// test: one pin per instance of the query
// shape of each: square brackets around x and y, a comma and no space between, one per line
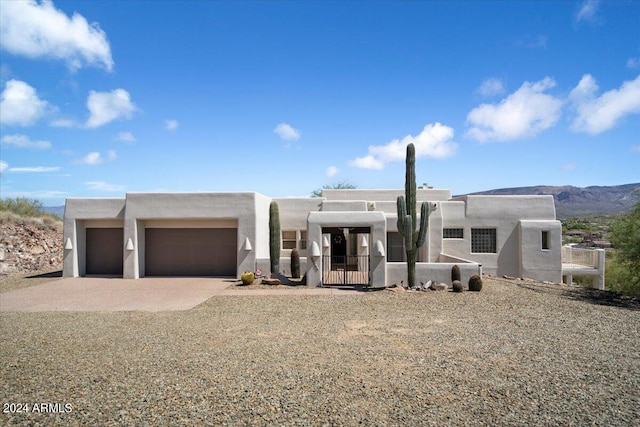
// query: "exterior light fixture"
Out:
[363,242]
[315,250]
[325,242]
[67,244]
[129,246]
[379,249]
[247,245]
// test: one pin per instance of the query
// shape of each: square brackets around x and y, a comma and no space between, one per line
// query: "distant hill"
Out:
[55,210]
[578,201]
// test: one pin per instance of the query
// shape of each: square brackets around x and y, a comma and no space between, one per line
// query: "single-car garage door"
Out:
[104,250]
[190,251]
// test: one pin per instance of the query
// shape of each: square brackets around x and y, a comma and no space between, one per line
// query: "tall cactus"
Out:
[407,216]
[274,237]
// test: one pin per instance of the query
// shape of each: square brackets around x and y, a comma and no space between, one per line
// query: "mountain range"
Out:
[574,202]
[570,201]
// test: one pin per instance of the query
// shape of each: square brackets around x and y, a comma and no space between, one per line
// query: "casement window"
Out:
[395,247]
[546,240]
[289,240]
[453,233]
[483,240]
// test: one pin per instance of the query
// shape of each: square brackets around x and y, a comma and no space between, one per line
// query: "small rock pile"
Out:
[30,244]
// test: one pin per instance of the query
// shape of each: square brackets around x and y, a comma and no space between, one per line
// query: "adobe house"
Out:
[345,237]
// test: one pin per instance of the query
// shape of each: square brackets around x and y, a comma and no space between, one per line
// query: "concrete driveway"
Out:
[147,294]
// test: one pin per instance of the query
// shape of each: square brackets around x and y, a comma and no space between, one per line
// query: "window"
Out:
[289,239]
[483,240]
[453,233]
[395,247]
[303,239]
[546,241]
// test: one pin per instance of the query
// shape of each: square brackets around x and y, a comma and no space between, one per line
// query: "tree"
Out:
[342,185]
[625,236]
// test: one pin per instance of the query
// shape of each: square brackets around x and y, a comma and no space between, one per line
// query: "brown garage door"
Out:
[190,252]
[104,250]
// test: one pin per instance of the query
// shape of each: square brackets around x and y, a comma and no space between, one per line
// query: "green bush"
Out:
[622,272]
[25,207]
[619,278]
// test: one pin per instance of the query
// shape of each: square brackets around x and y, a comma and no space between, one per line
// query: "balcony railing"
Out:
[581,257]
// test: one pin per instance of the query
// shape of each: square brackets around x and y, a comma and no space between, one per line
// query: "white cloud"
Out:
[23,141]
[332,171]
[105,107]
[126,137]
[588,10]
[434,141]
[491,87]
[633,63]
[103,186]
[20,104]
[287,132]
[525,113]
[41,194]
[63,123]
[94,158]
[112,155]
[569,167]
[171,124]
[3,166]
[35,169]
[594,114]
[39,30]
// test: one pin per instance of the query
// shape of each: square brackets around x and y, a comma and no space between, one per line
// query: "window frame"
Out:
[452,230]
[489,242]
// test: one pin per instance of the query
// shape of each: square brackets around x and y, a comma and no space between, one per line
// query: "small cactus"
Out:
[295,263]
[475,283]
[457,286]
[455,273]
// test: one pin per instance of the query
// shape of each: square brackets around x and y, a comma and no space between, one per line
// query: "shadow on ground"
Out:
[49,275]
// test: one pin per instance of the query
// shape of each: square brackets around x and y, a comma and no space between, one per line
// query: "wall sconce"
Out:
[363,242]
[379,249]
[129,246]
[315,250]
[247,245]
[67,244]
[325,242]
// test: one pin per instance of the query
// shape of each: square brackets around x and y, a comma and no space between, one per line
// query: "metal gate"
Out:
[345,270]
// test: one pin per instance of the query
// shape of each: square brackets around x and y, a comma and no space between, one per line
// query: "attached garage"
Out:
[190,251]
[104,251]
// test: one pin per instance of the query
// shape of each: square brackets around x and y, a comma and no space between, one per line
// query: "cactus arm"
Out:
[402,212]
[425,210]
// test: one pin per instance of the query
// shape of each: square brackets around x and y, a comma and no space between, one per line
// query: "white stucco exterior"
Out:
[514,235]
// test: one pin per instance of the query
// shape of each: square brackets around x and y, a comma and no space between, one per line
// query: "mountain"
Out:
[55,210]
[580,201]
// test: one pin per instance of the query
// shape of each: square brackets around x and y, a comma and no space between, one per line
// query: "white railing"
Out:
[583,257]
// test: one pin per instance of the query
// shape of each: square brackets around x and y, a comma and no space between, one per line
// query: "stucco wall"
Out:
[389,195]
[536,262]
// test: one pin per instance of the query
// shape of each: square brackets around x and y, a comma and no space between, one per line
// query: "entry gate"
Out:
[345,270]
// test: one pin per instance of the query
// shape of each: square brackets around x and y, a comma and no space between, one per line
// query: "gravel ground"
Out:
[517,353]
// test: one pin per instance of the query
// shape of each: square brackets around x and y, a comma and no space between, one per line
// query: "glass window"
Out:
[483,240]
[303,239]
[453,233]
[288,239]
[395,247]
[546,240]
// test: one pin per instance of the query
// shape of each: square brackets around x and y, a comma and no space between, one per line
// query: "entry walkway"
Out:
[147,294]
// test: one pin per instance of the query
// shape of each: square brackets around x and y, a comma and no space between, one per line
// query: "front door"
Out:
[348,263]
[338,250]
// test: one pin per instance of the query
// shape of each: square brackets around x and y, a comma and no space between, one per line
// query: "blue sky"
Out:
[100,98]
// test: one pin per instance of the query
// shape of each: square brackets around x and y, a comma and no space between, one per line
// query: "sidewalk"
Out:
[146,294]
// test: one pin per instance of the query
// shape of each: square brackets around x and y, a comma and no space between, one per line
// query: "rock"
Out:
[436,286]
[271,282]
[396,288]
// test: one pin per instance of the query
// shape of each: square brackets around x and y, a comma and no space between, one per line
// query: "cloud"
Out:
[103,186]
[105,107]
[491,87]
[91,159]
[112,155]
[286,132]
[434,141]
[35,169]
[633,63]
[594,114]
[20,104]
[3,166]
[41,194]
[63,123]
[332,171]
[569,167]
[126,137]
[39,30]
[588,10]
[523,114]
[171,124]
[23,141]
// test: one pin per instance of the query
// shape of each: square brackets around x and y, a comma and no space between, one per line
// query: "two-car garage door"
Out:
[190,251]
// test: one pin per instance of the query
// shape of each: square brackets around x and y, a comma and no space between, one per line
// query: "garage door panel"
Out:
[190,251]
[104,250]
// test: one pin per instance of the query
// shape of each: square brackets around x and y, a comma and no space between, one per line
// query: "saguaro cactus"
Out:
[407,216]
[274,237]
